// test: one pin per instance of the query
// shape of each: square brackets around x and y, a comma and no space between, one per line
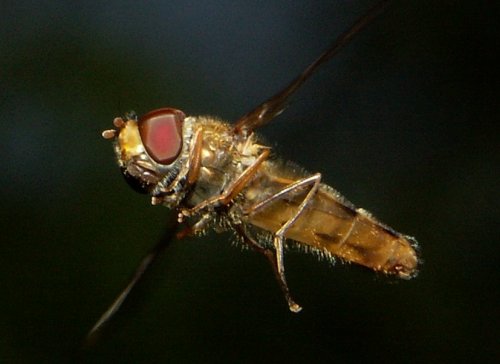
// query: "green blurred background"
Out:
[402,122]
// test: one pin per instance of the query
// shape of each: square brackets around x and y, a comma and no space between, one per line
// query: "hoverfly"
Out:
[217,174]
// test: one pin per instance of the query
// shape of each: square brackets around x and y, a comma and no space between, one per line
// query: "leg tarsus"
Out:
[273,261]
[279,271]
[191,230]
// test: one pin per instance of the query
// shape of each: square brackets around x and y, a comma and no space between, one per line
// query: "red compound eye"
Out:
[161,134]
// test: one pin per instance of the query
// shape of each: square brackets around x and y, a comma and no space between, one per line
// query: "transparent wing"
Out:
[147,261]
[272,107]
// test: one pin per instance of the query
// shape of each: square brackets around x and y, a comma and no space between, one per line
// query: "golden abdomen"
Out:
[333,225]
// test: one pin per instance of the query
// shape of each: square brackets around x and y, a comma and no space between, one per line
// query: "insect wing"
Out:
[275,105]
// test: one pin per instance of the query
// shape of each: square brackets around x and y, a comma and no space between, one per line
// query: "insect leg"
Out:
[271,257]
[196,228]
[314,179]
[231,191]
[193,168]
[279,236]
[195,157]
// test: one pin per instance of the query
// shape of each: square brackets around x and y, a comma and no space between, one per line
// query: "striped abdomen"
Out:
[333,225]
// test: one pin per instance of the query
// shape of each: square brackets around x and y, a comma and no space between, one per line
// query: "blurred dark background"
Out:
[401,122]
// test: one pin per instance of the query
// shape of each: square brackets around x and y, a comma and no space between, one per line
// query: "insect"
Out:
[217,174]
